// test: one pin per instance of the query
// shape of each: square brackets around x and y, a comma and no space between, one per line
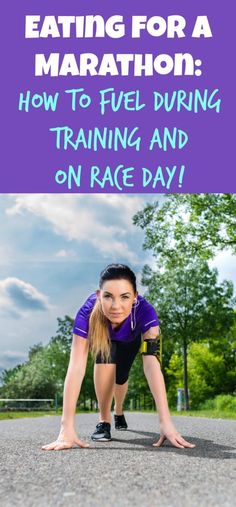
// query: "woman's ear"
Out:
[136,297]
[98,293]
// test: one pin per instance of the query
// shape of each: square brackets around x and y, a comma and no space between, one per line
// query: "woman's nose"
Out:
[115,303]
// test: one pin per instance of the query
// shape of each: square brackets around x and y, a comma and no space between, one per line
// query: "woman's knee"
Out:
[104,373]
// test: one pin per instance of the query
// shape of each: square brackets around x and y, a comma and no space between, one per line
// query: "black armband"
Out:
[152,347]
[149,347]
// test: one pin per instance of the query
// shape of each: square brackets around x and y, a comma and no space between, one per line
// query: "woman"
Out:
[112,322]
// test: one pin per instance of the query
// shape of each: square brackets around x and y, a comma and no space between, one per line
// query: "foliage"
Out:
[190,302]
[183,233]
[207,371]
[43,375]
[139,396]
[224,402]
[175,375]
[33,380]
[191,224]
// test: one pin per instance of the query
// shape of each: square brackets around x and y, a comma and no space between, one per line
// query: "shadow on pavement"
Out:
[204,448]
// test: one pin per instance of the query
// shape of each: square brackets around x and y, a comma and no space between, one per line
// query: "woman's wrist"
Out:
[164,416]
[165,419]
[67,423]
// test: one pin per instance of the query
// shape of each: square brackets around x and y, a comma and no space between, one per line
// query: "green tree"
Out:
[226,347]
[183,232]
[191,304]
[34,379]
[44,372]
[6,376]
[175,373]
[65,328]
[204,223]
[139,395]
[207,371]
[35,349]
[43,375]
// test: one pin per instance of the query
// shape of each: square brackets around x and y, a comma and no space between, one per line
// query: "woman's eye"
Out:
[125,297]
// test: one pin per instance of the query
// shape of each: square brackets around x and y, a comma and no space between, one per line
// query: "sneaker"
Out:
[102,432]
[120,422]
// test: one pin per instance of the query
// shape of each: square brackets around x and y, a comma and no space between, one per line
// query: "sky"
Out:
[52,249]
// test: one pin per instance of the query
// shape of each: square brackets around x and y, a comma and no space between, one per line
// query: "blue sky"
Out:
[52,250]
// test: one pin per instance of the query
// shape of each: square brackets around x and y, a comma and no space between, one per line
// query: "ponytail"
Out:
[98,333]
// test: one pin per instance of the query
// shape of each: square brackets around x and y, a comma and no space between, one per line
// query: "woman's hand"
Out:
[169,432]
[66,439]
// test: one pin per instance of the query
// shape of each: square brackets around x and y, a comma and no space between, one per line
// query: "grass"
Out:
[213,414]
[19,415]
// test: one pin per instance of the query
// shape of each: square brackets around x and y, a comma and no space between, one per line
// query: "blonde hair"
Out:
[98,333]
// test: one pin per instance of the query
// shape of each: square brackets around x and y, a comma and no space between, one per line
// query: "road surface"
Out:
[126,472]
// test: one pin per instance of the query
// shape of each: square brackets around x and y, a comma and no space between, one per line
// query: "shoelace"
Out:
[102,425]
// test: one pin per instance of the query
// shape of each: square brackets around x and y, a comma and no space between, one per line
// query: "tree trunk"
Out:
[186,398]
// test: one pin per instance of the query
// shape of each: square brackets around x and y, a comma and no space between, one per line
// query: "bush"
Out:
[208,405]
[225,402]
[206,375]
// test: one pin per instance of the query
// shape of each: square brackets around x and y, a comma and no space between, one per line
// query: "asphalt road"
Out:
[125,472]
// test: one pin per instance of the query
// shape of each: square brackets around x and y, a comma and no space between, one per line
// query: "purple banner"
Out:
[138,99]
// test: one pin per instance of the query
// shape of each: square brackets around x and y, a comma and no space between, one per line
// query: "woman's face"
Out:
[117,298]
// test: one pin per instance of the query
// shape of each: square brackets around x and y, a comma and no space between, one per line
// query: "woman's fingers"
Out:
[172,440]
[49,447]
[57,445]
[64,444]
[80,443]
[160,441]
[175,443]
[175,440]
[185,443]
[178,439]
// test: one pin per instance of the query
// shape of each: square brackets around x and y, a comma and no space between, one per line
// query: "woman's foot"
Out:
[102,432]
[120,422]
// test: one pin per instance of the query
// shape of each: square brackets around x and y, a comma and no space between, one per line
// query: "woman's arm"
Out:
[153,374]
[74,378]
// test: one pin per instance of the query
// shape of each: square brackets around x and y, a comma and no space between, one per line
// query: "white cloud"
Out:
[62,253]
[17,295]
[85,218]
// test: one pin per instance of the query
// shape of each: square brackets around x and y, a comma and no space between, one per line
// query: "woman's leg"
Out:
[125,356]
[104,381]
[119,395]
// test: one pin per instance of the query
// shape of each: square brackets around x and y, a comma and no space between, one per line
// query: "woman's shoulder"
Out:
[142,302]
[87,306]
[81,321]
[146,314]
[91,299]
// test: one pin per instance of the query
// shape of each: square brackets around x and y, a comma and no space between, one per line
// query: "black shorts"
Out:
[123,355]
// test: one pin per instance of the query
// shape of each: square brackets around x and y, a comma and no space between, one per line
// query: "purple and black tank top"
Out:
[144,317]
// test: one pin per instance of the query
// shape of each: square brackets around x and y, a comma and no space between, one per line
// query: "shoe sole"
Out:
[121,429]
[101,439]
